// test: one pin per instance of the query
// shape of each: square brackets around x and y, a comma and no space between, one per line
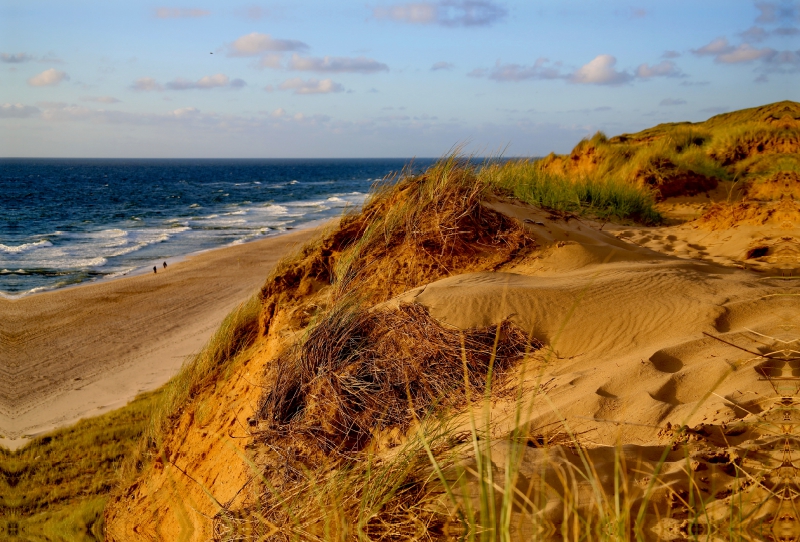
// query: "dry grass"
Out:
[412,231]
[377,498]
[360,372]
[341,450]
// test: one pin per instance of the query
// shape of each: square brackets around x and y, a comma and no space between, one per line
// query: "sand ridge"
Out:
[642,342]
[85,350]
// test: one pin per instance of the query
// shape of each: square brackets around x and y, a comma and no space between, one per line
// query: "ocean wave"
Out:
[147,237]
[65,262]
[273,209]
[17,249]
[107,234]
[120,273]
[306,203]
[17,295]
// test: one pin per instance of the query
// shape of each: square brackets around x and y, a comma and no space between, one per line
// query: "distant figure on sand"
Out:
[165,265]
[154,269]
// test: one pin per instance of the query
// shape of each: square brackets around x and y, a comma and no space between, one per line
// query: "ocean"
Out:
[70,221]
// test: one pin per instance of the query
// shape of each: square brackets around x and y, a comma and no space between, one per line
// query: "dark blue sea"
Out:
[69,221]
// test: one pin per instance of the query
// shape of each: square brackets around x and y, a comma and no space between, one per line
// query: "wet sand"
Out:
[82,351]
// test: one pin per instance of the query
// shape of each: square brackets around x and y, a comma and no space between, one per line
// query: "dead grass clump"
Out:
[378,499]
[427,227]
[360,372]
[414,230]
[671,180]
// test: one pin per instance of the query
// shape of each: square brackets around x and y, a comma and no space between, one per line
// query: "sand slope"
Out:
[82,351]
[639,344]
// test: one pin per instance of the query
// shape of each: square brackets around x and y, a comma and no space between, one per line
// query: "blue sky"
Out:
[377,79]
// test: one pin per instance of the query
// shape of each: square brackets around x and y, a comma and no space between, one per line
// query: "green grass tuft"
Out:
[610,199]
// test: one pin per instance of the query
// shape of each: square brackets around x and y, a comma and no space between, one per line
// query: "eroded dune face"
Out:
[666,392]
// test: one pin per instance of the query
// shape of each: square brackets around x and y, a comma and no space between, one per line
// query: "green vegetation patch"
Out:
[55,488]
[527,181]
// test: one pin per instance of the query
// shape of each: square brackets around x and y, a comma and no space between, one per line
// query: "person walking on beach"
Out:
[154,269]
[165,265]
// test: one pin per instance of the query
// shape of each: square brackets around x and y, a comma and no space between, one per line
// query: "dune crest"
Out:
[661,365]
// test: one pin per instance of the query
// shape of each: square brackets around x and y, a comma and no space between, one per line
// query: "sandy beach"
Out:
[79,352]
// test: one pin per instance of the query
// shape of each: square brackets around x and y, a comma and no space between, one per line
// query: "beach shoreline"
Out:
[83,350]
[170,260]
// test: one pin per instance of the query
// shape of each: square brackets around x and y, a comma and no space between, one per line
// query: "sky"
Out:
[307,79]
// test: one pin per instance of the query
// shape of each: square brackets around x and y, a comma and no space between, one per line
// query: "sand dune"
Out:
[79,352]
[663,382]
[638,346]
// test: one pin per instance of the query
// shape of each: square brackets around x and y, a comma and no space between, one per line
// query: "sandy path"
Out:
[78,352]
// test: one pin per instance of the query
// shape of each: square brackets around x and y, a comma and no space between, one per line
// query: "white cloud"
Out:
[670,54]
[600,71]
[715,47]
[254,44]
[180,13]
[185,112]
[17,111]
[101,99]
[666,68]
[336,64]
[48,78]
[442,66]
[420,13]
[278,113]
[146,84]
[725,53]
[744,53]
[57,112]
[219,80]
[672,101]
[15,58]
[541,69]
[312,86]
[754,33]
[778,12]
[212,81]
[450,13]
